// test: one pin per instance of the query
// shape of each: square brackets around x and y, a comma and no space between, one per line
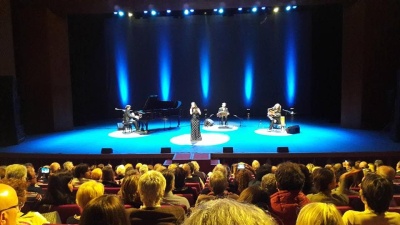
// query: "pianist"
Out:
[130,117]
[223,113]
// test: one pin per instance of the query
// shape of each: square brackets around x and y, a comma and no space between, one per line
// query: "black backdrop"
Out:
[316,34]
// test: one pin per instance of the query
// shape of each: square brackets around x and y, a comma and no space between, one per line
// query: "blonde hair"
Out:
[97,174]
[88,191]
[318,213]
[151,188]
[196,166]
[172,166]
[228,211]
[143,169]
[120,170]
[138,165]
[255,164]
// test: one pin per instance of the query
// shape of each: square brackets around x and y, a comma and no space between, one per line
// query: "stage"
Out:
[249,139]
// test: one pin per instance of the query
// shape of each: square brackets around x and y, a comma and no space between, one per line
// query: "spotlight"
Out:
[276,9]
[145,11]
[153,12]
[130,14]
[186,12]
[215,10]
[221,10]
[121,14]
[288,8]
[254,9]
[115,13]
[263,8]
[192,10]
[240,9]
[168,11]
[294,7]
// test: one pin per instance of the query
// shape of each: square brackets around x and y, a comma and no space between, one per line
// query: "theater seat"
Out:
[343,209]
[66,211]
[189,197]
[195,185]
[111,190]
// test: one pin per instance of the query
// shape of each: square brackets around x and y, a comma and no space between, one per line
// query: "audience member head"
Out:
[318,213]
[255,195]
[131,171]
[2,172]
[82,171]
[108,174]
[308,183]
[378,163]
[97,174]
[268,183]
[218,182]
[138,165]
[128,165]
[196,166]
[104,210]
[363,165]
[60,188]
[31,177]
[243,177]
[68,166]
[120,171]
[151,188]
[129,188]
[170,180]
[143,169]
[376,192]
[324,180]
[398,166]
[289,177]
[387,172]
[187,169]
[227,211]
[54,167]
[88,191]
[157,166]
[9,205]
[16,171]
[221,168]
[180,175]
[262,170]
[371,167]
[255,165]
[20,188]
[172,166]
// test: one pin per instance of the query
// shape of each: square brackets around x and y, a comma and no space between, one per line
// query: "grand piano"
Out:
[156,109]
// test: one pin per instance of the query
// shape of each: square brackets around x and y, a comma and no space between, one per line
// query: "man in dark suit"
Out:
[223,113]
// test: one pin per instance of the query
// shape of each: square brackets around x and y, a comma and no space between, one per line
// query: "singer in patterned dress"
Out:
[195,123]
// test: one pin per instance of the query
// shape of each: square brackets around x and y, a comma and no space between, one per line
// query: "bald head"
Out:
[387,172]
[8,205]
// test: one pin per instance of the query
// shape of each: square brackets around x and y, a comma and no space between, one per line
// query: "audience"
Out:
[68,166]
[180,187]
[256,196]
[82,174]
[289,198]
[169,197]
[218,185]
[151,190]
[16,171]
[129,191]
[324,182]
[59,189]
[389,173]
[376,193]
[97,174]
[9,205]
[190,178]
[227,211]
[197,171]
[86,192]
[260,172]
[318,213]
[104,210]
[108,177]
[268,183]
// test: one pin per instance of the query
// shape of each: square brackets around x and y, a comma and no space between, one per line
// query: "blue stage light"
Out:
[168,11]
[165,68]
[221,10]
[192,10]
[288,8]
[254,9]
[291,64]
[153,12]
[145,11]
[248,80]
[205,69]
[215,10]
[186,12]
[121,13]
[115,13]
[240,9]
[294,7]
[263,8]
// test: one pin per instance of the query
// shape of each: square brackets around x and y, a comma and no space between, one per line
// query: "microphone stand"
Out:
[240,119]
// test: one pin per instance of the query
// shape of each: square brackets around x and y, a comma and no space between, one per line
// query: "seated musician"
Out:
[274,114]
[223,113]
[130,117]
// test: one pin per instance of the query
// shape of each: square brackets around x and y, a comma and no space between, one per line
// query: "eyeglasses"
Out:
[19,206]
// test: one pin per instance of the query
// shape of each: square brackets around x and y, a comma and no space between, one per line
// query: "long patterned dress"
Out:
[195,134]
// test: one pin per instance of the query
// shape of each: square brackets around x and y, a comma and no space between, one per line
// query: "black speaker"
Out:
[282,149]
[166,150]
[227,149]
[106,151]
[295,129]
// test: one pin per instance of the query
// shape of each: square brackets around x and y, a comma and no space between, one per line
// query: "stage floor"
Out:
[246,136]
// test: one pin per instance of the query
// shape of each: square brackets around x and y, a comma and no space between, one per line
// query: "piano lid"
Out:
[153,103]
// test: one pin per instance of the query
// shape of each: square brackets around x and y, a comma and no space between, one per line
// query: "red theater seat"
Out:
[189,197]
[66,211]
